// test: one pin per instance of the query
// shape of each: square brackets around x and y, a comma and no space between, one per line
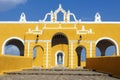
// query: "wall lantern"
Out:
[37,38]
[80,38]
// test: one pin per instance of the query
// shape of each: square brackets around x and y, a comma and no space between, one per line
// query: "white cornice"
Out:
[60,22]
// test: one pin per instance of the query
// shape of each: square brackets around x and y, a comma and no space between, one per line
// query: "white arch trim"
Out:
[56,56]
[116,44]
[4,43]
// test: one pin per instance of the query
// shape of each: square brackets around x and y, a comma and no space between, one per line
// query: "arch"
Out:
[60,9]
[56,57]
[60,16]
[59,38]
[110,51]
[80,54]
[15,41]
[39,46]
[38,55]
[107,42]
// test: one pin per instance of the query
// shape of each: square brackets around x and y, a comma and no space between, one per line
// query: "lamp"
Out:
[37,38]
[80,38]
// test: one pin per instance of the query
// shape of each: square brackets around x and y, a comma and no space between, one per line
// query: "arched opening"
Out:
[98,53]
[48,18]
[34,52]
[59,38]
[59,58]
[59,44]
[81,54]
[60,16]
[72,18]
[14,47]
[38,56]
[106,47]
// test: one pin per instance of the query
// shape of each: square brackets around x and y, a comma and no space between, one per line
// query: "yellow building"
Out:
[50,42]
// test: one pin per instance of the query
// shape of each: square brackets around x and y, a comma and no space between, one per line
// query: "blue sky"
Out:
[35,10]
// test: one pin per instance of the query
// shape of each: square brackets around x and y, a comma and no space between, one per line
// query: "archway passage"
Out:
[59,38]
[60,43]
[14,47]
[60,58]
[38,56]
[105,47]
[81,54]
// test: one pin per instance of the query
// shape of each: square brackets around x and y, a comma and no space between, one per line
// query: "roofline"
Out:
[60,22]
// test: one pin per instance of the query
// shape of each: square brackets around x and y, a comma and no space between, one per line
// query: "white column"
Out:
[47,54]
[28,48]
[91,48]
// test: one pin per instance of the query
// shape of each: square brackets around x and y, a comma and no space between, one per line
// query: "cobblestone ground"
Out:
[56,75]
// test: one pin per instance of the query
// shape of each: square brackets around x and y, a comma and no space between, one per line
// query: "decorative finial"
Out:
[51,11]
[29,30]
[97,17]
[83,28]
[60,6]
[23,17]
[68,11]
[37,28]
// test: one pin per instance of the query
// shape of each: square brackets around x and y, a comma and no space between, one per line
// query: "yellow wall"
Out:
[110,65]
[20,30]
[11,63]
[38,60]
[40,34]
[63,48]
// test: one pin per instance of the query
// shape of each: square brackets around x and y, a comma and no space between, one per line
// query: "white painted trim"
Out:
[72,14]
[84,31]
[111,40]
[22,17]
[87,41]
[4,43]
[35,31]
[97,17]
[60,9]
[91,48]
[62,22]
[48,14]
[60,28]
[59,51]
[84,41]
[38,41]
[47,54]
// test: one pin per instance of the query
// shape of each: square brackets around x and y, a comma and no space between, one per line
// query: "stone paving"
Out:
[56,74]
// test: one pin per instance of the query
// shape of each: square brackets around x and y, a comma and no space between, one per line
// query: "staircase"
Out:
[55,74]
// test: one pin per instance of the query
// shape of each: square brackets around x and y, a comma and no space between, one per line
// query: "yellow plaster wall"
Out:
[38,60]
[110,65]
[63,48]
[100,30]
[11,63]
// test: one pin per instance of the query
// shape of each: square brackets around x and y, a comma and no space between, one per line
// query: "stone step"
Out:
[30,72]
[55,70]
[55,77]
[48,74]
[81,74]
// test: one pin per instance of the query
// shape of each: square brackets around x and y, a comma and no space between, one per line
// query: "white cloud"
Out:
[9,4]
